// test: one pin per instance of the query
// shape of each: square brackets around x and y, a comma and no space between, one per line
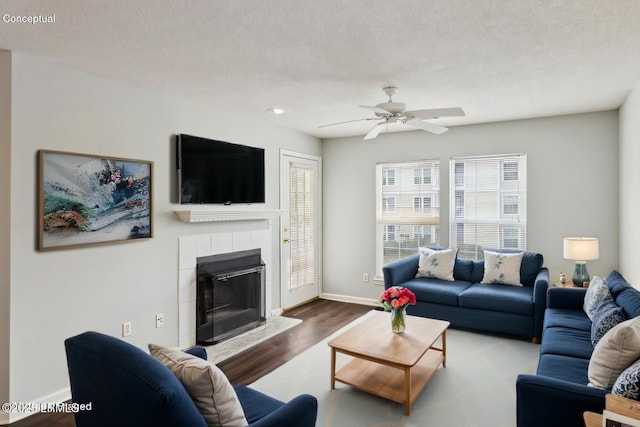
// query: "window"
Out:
[422,176]
[488,195]
[421,204]
[408,209]
[510,205]
[389,204]
[511,238]
[509,171]
[389,177]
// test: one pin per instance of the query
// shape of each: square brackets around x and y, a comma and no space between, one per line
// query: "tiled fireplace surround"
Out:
[194,246]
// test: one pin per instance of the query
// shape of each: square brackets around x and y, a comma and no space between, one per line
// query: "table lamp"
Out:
[581,249]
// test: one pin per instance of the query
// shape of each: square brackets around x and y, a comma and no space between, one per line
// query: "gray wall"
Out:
[629,185]
[5,223]
[57,294]
[572,189]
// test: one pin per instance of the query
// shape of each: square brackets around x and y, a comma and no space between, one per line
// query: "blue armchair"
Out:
[126,386]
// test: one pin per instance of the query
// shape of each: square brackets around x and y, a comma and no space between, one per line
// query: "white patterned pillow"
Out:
[436,264]
[628,383]
[596,294]
[615,352]
[502,268]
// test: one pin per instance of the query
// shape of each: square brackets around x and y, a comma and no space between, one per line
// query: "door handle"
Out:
[286,240]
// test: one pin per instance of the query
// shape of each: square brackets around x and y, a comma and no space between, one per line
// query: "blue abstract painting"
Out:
[86,199]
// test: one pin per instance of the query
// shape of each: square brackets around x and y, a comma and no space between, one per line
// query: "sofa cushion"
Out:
[567,342]
[462,269]
[503,298]
[616,283]
[566,318]
[606,316]
[436,264]
[596,293]
[616,351]
[436,291]
[571,369]
[502,268]
[628,383]
[206,384]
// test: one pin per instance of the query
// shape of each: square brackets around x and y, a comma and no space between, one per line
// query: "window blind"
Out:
[302,225]
[407,208]
[488,203]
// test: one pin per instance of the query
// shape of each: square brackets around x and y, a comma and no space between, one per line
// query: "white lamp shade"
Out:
[581,248]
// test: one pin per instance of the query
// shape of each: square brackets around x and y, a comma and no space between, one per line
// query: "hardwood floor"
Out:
[320,318]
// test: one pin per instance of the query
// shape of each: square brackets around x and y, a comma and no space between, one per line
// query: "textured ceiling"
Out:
[320,59]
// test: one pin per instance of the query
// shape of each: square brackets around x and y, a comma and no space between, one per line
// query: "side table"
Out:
[567,284]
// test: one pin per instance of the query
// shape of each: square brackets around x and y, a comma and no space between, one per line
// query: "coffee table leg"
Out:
[333,368]
[407,391]
[444,349]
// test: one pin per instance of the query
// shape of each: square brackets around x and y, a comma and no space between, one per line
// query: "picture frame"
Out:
[84,200]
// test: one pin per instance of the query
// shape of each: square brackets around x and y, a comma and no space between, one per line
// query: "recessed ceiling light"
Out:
[275,110]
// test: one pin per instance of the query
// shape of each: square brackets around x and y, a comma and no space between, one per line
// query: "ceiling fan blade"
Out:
[348,121]
[376,110]
[375,131]
[429,127]
[435,113]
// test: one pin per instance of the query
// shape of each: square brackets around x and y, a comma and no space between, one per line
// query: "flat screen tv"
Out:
[218,172]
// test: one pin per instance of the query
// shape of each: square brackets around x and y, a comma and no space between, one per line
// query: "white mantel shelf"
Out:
[214,215]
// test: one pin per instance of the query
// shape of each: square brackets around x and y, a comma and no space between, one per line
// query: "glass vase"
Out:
[398,320]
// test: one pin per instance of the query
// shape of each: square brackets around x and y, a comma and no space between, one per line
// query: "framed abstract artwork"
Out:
[91,200]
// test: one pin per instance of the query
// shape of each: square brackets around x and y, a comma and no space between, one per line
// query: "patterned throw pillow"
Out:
[502,268]
[596,294]
[606,316]
[628,383]
[436,264]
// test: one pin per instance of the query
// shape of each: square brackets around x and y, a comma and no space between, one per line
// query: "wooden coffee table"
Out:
[393,366]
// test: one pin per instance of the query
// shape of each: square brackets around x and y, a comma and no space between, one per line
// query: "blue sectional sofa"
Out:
[558,394]
[469,304]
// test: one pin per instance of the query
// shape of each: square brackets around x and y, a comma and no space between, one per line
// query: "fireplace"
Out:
[230,295]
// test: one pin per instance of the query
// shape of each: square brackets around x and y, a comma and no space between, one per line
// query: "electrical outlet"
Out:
[159,320]
[365,277]
[126,329]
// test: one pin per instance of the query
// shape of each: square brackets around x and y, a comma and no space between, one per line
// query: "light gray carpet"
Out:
[477,388]
[274,325]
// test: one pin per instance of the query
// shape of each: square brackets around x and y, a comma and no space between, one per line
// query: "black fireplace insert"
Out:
[230,295]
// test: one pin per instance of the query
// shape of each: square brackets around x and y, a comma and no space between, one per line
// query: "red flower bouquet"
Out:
[397,297]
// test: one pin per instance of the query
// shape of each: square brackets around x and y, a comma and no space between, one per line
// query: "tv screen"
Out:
[211,171]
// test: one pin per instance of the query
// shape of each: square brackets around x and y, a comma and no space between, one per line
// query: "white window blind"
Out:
[408,208]
[488,196]
[302,225]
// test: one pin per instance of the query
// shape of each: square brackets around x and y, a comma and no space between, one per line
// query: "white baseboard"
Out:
[276,312]
[57,397]
[350,299]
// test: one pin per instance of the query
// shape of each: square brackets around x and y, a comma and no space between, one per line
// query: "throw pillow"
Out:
[436,264]
[502,268]
[606,316]
[614,353]
[597,292]
[207,385]
[628,383]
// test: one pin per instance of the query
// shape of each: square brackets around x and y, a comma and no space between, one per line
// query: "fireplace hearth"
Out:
[230,295]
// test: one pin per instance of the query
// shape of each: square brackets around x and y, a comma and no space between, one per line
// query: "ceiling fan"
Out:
[394,112]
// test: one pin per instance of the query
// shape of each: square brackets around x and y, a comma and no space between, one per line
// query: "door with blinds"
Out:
[300,228]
